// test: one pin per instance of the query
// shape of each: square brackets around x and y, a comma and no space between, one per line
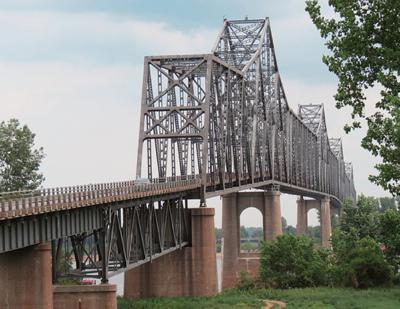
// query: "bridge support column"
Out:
[191,271]
[204,262]
[326,228]
[100,296]
[25,278]
[231,234]
[301,227]
[272,215]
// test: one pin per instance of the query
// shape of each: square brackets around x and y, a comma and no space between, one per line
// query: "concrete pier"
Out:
[191,271]
[25,278]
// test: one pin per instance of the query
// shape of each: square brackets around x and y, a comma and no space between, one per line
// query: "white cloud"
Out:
[90,34]
[85,117]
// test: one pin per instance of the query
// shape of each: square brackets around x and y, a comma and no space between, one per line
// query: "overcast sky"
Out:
[72,69]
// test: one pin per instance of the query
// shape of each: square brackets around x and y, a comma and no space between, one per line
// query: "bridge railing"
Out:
[23,203]
[175,178]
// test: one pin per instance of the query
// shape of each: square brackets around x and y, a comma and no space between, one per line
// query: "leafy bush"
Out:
[245,282]
[361,265]
[389,225]
[290,261]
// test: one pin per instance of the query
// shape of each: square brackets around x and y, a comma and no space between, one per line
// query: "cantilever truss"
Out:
[225,118]
[131,235]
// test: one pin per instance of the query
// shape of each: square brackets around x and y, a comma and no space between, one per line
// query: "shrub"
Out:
[389,225]
[245,282]
[361,265]
[290,262]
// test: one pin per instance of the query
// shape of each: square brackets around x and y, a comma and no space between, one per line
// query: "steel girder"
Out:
[129,236]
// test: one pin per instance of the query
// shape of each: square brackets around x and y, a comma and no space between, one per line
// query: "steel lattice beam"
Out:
[229,121]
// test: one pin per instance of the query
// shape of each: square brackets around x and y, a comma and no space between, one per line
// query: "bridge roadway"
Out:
[28,203]
[18,210]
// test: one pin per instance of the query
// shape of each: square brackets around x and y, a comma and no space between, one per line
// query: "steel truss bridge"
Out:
[210,124]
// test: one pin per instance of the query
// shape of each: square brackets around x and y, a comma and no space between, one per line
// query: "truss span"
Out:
[224,117]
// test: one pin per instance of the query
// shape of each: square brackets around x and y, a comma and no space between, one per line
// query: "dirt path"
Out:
[269,304]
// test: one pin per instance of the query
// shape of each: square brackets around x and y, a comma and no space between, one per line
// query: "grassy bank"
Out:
[295,298]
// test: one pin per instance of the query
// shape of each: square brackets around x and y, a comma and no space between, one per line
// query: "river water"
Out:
[119,279]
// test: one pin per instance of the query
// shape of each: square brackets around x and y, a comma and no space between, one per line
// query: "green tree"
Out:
[389,225]
[360,220]
[290,230]
[19,161]
[255,232]
[290,262]
[387,203]
[361,264]
[218,234]
[243,232]
[364,42]
[358,260]
[314,232]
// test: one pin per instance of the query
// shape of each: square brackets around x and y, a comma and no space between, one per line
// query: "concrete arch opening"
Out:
[251,230]
[324,208]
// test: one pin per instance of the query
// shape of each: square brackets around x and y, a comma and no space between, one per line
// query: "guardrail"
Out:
[24,203]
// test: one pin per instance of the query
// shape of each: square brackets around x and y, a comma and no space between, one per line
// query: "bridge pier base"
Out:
[301,228]
[272,215]
[25,278]
[231,245]
[234,262]
[326,228]
[102,296]
[191,271]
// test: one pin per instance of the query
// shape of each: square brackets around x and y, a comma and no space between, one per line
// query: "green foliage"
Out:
[387,203]
[314,232]
[358,259]
[290,261]
[243,232]
[364,42]
[227,300]
[316,298]
[255,232]
[218,237]
[290,230]
[249,246]
[360,220]
[218,233]
[389,235]
[361,265]
[287,229]
[339,298]
[245,282]
[68,281]
[19,161]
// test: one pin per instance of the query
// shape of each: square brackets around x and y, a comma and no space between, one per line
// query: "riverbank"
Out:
[316,298]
